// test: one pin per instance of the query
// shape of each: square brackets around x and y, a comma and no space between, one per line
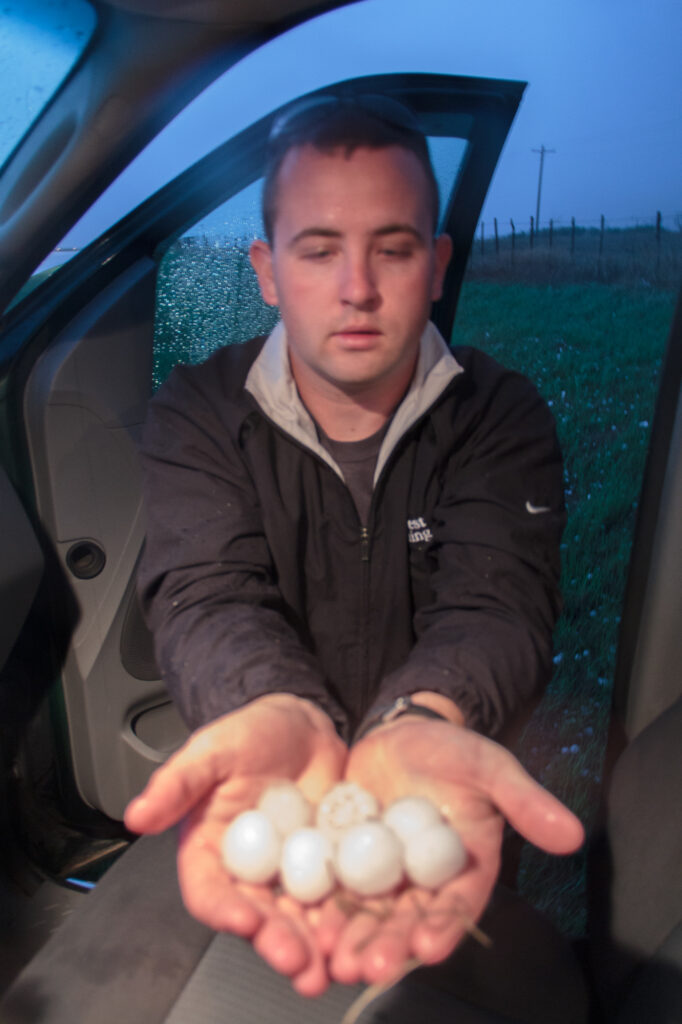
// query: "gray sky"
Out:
[605,91]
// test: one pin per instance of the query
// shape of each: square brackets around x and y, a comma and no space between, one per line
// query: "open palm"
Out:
[477,785]
[225,766]
[219,772]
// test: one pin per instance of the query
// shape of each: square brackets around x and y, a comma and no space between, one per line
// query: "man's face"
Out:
[353,266]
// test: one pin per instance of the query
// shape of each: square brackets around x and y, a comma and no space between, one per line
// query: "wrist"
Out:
[445,707]
[424,705]
[317,718]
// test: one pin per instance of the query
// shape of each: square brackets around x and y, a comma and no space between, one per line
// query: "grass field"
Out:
[594,350]
[595,353]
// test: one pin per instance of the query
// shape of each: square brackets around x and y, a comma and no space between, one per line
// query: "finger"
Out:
[346,963]
[287,943]
[386,952]
[280,944]
[446,920]
[314,979]
[328,922]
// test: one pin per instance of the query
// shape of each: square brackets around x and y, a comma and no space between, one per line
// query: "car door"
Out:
[82,354]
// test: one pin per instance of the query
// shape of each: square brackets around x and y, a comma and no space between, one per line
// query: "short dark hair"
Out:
[331,122]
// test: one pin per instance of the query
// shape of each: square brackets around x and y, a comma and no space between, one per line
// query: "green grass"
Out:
[595,353]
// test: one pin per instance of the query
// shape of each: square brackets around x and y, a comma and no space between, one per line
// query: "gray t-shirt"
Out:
[357,461]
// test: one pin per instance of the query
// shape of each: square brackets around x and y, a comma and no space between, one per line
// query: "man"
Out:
[352,558]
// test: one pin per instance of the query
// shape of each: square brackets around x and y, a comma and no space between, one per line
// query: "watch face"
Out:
[401,707]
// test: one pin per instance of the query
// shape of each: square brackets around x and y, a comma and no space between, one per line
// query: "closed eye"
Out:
[316,254]
[401,254]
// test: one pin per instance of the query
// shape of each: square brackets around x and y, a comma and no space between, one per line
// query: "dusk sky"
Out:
[605,93]
[605,90]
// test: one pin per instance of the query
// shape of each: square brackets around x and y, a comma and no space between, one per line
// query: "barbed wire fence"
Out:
[639,254]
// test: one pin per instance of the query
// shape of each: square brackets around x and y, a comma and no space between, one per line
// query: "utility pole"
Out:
[542,152]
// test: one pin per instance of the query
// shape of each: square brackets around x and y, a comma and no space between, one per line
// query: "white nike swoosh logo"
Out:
[536,509]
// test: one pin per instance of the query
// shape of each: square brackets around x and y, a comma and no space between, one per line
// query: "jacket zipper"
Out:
[365,629]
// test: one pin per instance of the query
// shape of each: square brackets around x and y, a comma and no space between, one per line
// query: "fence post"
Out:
[513,239]
[531,231]
[497,240]
[551,231]
[572,236]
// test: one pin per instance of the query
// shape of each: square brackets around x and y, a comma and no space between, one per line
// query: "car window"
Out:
[40,40]
[207,292]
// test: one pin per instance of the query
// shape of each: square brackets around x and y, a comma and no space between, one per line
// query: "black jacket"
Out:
[257,575]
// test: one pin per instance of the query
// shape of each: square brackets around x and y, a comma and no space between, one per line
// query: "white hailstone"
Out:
[286,807]
[369,859]
[345,805]
[435,856]
[410,816]
[251,847]
[307,865]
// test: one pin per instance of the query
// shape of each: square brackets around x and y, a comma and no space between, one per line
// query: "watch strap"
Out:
[401,706]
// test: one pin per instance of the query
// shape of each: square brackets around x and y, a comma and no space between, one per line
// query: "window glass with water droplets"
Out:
[40,41]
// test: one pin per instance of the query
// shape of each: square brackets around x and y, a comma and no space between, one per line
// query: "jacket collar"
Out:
[271,383]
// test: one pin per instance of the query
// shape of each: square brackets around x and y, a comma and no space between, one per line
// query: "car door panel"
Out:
[648,677]
[21,566]
[84,405]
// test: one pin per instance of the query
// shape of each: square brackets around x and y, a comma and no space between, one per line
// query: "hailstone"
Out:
[410,816]
[345,805]
[307,865]
[369,859]
[251,847]
[434,856]
[286,807]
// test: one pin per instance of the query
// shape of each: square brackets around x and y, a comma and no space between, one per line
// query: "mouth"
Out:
[358,337]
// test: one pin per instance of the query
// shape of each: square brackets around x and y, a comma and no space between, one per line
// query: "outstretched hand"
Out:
[222,770]
[477,784]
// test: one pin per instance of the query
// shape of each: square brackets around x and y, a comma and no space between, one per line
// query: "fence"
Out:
[649,256]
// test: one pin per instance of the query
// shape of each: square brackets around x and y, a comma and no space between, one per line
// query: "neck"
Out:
[345,413]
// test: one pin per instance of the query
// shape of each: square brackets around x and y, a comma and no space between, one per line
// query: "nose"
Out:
[357,284]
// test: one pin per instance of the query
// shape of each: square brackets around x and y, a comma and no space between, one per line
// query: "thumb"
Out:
[532,810]
[490,768]
[179,785]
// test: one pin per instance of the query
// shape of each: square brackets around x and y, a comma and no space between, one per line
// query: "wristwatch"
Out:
[401,706]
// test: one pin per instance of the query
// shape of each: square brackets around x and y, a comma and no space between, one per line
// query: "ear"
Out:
[442,246]
[260,255]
